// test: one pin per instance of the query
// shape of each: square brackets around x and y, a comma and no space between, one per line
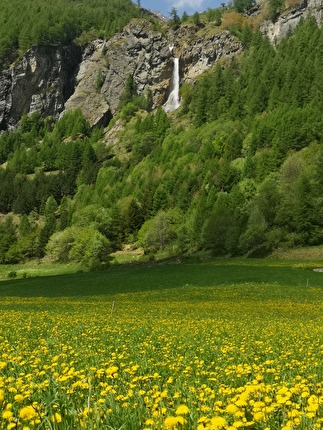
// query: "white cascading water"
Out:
[173,101]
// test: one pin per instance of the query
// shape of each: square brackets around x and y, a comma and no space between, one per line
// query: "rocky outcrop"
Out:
[87,93]
[54,80]
[290,19]
[145,54]
[198,51]
[42,80]
[138,51]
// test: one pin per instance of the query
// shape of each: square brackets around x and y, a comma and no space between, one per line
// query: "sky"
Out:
[190,6]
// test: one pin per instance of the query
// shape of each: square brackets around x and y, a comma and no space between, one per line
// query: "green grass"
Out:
[127,347]
[164,276]
[36,268]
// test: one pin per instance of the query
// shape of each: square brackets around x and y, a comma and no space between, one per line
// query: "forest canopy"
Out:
[27,22]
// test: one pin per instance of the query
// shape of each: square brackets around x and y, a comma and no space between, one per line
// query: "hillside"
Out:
[237,169]
[35,22]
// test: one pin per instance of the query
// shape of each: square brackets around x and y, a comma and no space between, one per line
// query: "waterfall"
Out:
[173,101]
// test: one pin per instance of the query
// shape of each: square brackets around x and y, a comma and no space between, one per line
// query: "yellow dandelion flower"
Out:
[238,424]
[7,415]
[27,413]
[56,418]
[1,396]
[218,423]
[19,398]
[203,420]
[181,420]
[112,370]
[182,410]
[231,409]
[259,416]
[170,422]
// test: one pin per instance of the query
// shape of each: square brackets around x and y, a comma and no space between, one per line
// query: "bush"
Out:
[83,245]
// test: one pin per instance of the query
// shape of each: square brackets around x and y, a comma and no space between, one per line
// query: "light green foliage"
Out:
[84,245]
[161,232]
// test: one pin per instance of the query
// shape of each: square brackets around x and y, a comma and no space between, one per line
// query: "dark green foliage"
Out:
[8,238]
[174,18]
[129,91]
[134,217]
[275,7]
[24,23]
[49,226]
[243,6]
[184,17]
[196,18]
[214,15]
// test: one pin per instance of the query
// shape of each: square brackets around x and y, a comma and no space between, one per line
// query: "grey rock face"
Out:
[88,82]
[289,20]
[54,80]
[199,52]
[39,81]
[144,54]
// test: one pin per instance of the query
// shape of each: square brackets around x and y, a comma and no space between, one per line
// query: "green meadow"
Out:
[190,344]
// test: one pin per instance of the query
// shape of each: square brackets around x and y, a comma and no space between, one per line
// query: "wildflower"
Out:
[182,410]
[7,415]
[27,413]
[19,398]
[181,420]
[218,423]
[259,416]
[238,424]
[170,422]
[56,418]
[231,409]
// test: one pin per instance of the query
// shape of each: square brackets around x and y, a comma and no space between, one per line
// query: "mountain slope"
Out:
[237,169]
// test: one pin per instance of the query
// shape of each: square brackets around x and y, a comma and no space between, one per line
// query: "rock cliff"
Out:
[288,20]
[53,80]
[143,53]
[42,80]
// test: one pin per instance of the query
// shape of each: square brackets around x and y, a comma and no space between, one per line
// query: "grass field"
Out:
[223,344]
